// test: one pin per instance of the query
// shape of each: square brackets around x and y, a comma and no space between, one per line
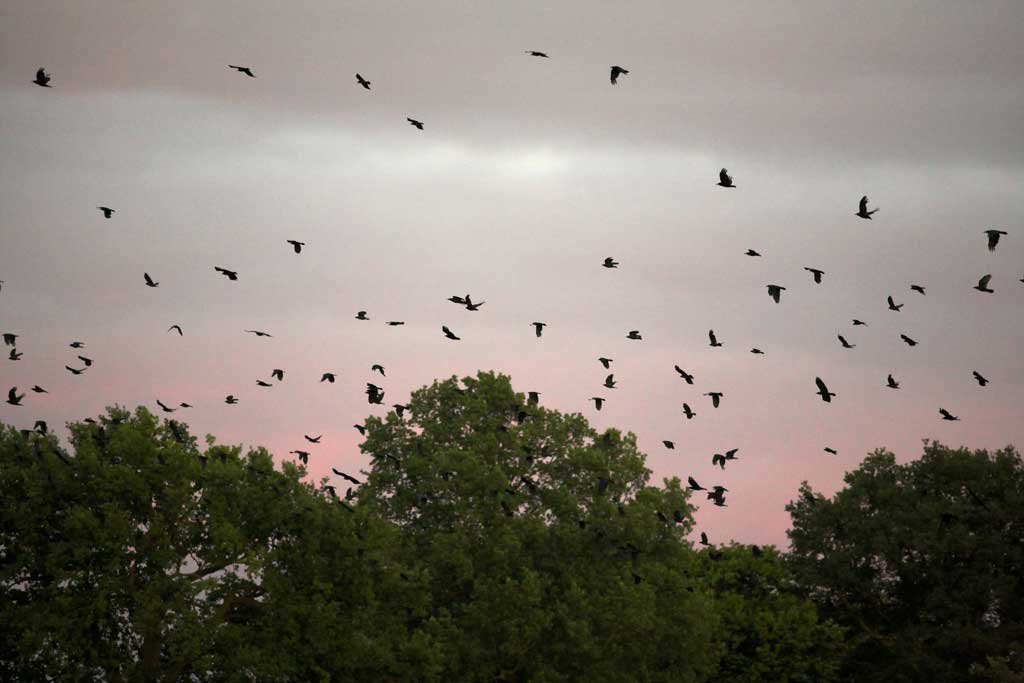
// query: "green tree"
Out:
[923,562]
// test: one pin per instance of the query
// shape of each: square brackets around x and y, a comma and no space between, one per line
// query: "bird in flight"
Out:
[296,245]
[13,397]
[634,334]
[165,407]
[451,335]
[609,381]
[917,288]
[230,400]
[714,339]
[362,81]
[396,323]
[10,338]
[609,262]
[846,344]
[863,210]
[15,355]
[687,412]
[981,380]
[327,377]
[816,273]
[42,78]
[751,252]
[538,328]
[278,374]
[823,391]
[361,315]
[39,390]
[859,322]
[414,122]
[149,281]
[993,238]
[606,362]
[378,368]
[775,292]
[893,306]
[87,361]
[946,415]
[725,180]
[831,450]
[261,383]
[243,70]
[685,375]
[536,53]
[669,445]
[598,402]
[704,539]
[716,398]
[176,328]
[982,285]
[693,485]
[312,439]
[302,455]
[757,351]
[73,371]
[471,306]
[910,342]
[258,333]
[229,274]
[107,211]
[616,72]
[346,476]
[361,429]
[892,383]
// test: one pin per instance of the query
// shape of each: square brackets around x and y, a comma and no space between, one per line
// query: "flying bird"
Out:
[361,315]
[107,211]
[982,285]
[42,78]
[893,306]
[378,368]
[258,333]
[243,69]
[751,252]
[414,122]
[713,338]
[15,354]
[362,81]
[917,288]
[609,262]
[716,398]
[165,407]
[73,371]
[39,390]
[946,415]
[993,238]
[910,342]
[10,338]
[471,306]
[859,322]
[229,274]
[346,476]
[536,53]
[669,445]
[693,485]
[892,383]
[327,377]
[149,281]
[816,273]
[616,72]
[296,245]
[718,460]
[302,455]
[775,292]
[312,439]
[396,323]
[231,400]
[846,344]
[598,402]
[87,361]
[863,210]
[261,383]
[13,397]
[687,412]
[609,381]
[606,362]
[831,450]
[448,333]
[725,180]
[704,539]
[278,374]
[538,328]
[981,380]
[823,391]
[361,429]
[757,351]
[176,328]
[634,334]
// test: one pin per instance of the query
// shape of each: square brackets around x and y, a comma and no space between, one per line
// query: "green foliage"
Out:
[923,563]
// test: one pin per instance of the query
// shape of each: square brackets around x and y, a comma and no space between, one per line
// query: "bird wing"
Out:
[864,204]
[12,395]
[723,177]
[821,385]
[983,282]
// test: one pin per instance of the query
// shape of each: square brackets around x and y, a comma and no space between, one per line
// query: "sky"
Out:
[528,173]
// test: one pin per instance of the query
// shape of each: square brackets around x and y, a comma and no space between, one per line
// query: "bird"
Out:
[757,351]
[413,122]
[229,274]
[831,450]
[73,371]
[704,539]
[41,426]
[713,338]
[863,210]
[917,288]
[616,72]
[361,315]
[261,383]
[456,299]
[718,460]
[42,78]
[39,390]
[823,391]
[716,398]
[606,362]
[177,328]
[731,454]
[538,328]
[536,53]
[378,368]
[982,285]
[775,292]
[815,273]
[296,245]
[598,402]
[395,323]
[230,400]
[893,306]
[15,354]
[751,252]
[946,415]
[846,344]
[165,407]
[693,485]
[532,398]
[725,180]
[243,69]
[993,238]
[327,377]
[669,445]
[258,333]
[609,381]
[910,342]
[981,380]
[277,374]
[184,405]
[361,429]
[687,412]
[685,375]
[149,281]
[347,477]
[312,439]
[13,397]
[302,455]
[609,262]
[892,383]
[859,322]
[634,334]
[10,338]
[362,81]
[448,333]
[87,361]
[107,211]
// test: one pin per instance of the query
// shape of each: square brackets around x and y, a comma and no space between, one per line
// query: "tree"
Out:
[923,562]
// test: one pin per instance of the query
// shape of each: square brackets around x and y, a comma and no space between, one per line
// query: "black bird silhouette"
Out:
[13,397]
[634,334]
[395,323]
[751,252]
[230,400]
[606,362]
[312,439]
[149,281]
[731,454]
[378,368]
[719,460]
[713,338]
[598,402]
[775,292]
[538,328]
[361,315]
[361,429]
[165,407]
[704,539]
[347,477]
[725,180]
[15,355]
[616,72]
[981,380]
[910,342]
[669,445]
[39,390]
[296,245]
[716,398]
[536,53]
[278,374]
[10,338]
[184,405]
[243,69]
[693,485]
[846,344]
[362,81]
[229,274]
[327,377]
[917,288]
[302,455]
[73,371]
[261,383]
[993,238]
[831,450]
[532,398]
[609,262]
[41,426]
[258,333]
[448,333]
[816,273]
[823,391]
[946,415]
[414,122]
[107,211]
[982,285]
[893,306]
[471,306]
[42,78]
[687,412]
[757,351]
[892,383]
[456,299]
[87,361]
[863,210]
[176,328]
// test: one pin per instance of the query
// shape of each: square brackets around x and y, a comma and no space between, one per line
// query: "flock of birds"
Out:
[375,394]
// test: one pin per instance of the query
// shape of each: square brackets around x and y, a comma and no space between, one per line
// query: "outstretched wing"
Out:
[983,282]
[864,204]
